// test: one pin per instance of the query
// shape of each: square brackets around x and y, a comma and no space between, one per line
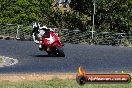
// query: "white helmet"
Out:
[43,27]
[51,29]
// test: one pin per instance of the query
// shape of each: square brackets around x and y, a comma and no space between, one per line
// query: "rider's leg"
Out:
[40,46]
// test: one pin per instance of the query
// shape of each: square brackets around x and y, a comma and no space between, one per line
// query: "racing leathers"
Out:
[40,34]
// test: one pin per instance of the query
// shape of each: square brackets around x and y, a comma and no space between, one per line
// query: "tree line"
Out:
[111,15]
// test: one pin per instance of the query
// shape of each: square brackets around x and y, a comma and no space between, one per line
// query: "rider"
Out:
[39,32]
[35,32]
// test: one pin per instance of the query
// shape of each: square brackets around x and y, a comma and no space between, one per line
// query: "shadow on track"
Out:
[45,56]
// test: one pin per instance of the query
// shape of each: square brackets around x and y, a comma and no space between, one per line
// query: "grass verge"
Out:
[1,60]
[59,83]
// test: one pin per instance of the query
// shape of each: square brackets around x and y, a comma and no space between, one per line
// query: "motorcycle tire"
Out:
[50,54]
[59,51]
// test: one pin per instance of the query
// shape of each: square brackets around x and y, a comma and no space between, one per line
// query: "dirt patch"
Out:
[37,76]
[34,77]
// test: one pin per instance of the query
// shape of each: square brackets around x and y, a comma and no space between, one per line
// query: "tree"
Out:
[23,11]
[111,15]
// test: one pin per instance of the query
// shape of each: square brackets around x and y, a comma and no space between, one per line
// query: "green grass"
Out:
[57,83]
[1,60]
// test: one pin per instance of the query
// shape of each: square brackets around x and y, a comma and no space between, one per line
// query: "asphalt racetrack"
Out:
[93,58]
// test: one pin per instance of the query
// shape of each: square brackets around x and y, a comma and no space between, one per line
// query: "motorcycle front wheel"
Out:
[59,51]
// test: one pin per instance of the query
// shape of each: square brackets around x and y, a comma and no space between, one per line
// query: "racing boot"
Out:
[40,47]
[48,49]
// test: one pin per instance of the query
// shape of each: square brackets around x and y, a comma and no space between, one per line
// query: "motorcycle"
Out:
[52,45]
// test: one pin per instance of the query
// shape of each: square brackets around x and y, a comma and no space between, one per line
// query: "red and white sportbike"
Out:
[52,45]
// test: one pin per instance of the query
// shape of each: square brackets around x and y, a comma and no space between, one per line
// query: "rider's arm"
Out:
[36,41]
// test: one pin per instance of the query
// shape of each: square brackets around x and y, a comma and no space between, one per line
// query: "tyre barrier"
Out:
[1,37]
[13,38]
[7,38]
